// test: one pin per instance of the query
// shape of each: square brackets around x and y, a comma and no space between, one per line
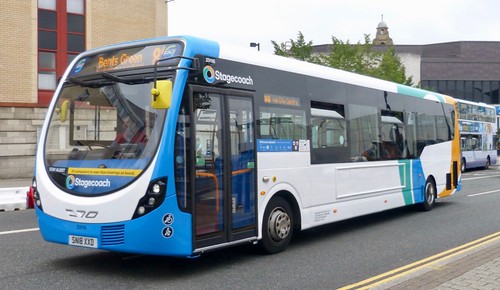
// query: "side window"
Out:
[426,131]
[282,123]
[433,129]
[411,133]
[442,132]
[393,135]
[364,133]
[328,133]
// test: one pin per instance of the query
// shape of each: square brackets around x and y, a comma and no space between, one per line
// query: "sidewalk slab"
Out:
[476,269]
[15,182]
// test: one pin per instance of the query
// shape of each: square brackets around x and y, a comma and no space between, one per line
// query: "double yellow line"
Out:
[425,263]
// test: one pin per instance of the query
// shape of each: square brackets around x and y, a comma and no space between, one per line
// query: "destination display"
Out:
[126,58]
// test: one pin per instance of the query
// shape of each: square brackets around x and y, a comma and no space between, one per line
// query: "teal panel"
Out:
[419,93]
[405,178]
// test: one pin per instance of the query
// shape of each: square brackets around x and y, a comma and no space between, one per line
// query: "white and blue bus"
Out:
[179,145]
[478,134]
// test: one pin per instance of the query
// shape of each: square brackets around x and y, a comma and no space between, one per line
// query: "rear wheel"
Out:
[429,196]
[277,229]
[488,162]
[462,165]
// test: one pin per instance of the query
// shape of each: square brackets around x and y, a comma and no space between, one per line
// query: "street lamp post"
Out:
[255,44]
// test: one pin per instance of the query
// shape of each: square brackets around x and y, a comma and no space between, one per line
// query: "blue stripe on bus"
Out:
[418,179]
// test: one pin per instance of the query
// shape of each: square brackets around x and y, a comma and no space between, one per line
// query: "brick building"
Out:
[39,38]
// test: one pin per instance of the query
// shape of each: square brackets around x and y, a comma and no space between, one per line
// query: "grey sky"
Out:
[409,22]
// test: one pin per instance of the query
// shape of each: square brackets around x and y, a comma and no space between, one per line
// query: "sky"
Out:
[261,21]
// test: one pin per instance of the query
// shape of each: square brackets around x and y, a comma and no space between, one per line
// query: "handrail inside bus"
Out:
[214,177]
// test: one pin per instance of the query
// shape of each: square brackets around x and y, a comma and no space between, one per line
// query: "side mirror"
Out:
[63,114]
[161,94]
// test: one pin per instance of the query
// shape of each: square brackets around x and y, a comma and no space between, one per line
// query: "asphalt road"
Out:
[327,257]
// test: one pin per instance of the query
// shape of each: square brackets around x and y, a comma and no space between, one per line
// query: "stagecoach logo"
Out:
[71,182]
[79,66]
[211,75]
[170,50]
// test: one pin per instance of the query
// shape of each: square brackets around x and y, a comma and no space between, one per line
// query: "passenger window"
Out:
[393,135]
[328,129]
[364,133]
[328,133]
[281,123]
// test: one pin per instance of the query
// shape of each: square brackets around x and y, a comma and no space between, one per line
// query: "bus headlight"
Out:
[154,197]
[156,188]
[141,210]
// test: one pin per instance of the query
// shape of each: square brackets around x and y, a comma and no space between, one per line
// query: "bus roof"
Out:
[196,45]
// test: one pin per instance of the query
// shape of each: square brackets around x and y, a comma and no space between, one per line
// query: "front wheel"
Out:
[277,229]
[429,196]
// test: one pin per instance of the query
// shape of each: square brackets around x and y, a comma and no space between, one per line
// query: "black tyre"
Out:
[488,162]
[462,165]
[277,229]
[429,196]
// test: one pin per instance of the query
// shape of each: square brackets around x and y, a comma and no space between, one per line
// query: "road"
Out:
[322,258]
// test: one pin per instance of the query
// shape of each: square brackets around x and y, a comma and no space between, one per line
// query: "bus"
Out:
[179,145]
[478,136]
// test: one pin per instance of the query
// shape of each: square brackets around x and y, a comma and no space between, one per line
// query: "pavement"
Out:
[15,182]
[475,265]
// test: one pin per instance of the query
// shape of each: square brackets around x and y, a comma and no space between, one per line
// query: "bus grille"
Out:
[112,235]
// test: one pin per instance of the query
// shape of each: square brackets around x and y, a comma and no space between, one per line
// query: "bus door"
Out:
[224,166]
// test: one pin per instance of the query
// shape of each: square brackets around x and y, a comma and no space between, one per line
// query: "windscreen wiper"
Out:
[90,84]
[110,80]
[115,78]
[124,80]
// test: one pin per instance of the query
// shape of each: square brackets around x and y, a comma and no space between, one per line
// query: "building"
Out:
[468,70]
[382,36]
[39,39]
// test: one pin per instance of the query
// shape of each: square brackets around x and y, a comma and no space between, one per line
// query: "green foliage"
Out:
[358,58]
[298,49]
[392,69]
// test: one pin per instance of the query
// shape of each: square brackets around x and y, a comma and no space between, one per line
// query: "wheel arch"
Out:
[290,197]
[292,201]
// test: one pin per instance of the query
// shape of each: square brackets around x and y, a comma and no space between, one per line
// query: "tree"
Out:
[298,49]
[358,58]
[392,69]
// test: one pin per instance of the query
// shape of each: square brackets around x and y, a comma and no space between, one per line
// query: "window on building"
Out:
[494,92]
[61,36]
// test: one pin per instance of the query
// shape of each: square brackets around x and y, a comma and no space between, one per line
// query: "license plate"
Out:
[82,241]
